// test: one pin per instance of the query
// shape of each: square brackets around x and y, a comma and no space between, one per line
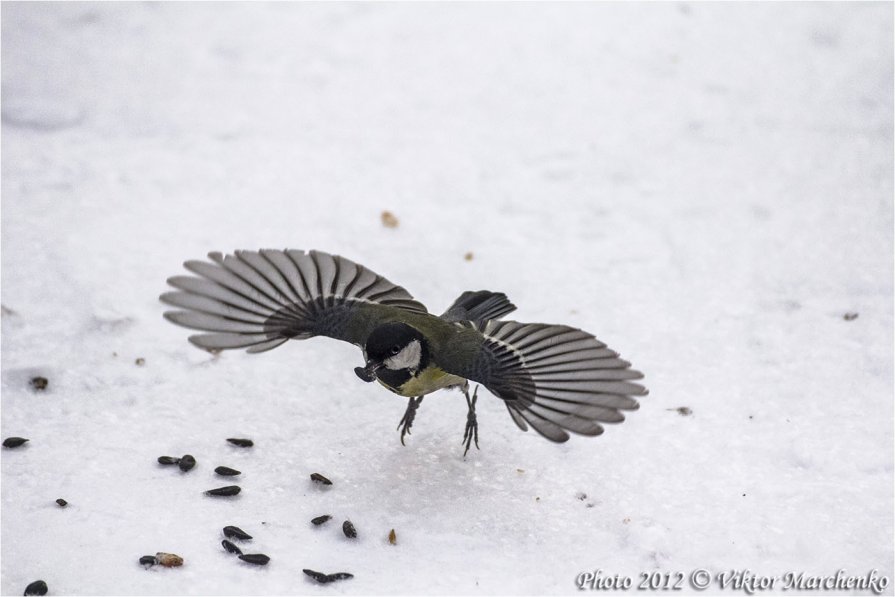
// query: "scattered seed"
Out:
[168,460]
[231,548]
[327,578]
[186,463]
[242,443]
[148,561]
[168,560]
[581,496]
[14,442]
[236,533]
[62,503]
[320,519]
[38,587]
[349,530]
[684,411]
[140,362]
[520,470]
[468,256]
[255,558]
[39,383]
[850,316]
[226,471]
[318,576]
[392,537]
[389,220]
[317,477]
[224,491]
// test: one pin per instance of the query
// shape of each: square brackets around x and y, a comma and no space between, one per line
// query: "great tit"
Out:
[552,377]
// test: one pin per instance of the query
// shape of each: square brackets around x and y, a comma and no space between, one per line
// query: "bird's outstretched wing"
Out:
[479,307]
[260,299]
[554,377]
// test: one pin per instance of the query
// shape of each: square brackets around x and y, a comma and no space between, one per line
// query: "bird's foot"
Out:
[471,434]
[409,415]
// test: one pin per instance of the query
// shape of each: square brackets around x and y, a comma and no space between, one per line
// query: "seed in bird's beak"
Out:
[368,373]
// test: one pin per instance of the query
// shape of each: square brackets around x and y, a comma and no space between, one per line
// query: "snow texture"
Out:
[706,187]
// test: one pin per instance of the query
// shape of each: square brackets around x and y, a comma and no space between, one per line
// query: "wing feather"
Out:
[553,378]
[260,299]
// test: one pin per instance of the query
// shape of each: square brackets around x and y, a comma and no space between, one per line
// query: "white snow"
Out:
[706,187]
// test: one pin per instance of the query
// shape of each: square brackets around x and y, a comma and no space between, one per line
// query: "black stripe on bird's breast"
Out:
[393,379]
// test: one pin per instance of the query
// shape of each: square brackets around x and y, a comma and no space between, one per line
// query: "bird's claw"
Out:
[471,433]
[409,415]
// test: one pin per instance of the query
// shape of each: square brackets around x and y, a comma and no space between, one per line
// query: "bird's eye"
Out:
[395,349]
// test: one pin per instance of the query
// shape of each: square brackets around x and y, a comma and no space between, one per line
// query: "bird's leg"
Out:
[471,434]
[409,414]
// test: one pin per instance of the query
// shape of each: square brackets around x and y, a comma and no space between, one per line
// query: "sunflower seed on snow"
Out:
[168,559]
[241,442]
[226,471]
[62,503]
[318,478]
[166,460]
[148,560]
[227,491]
[320,520]
[255,558]
[231,548]
[236,533]
[186,463]
[327,578]
[349,530]
[14,442]
[38,587]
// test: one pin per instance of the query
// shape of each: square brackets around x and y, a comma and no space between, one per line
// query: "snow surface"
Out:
[706,187]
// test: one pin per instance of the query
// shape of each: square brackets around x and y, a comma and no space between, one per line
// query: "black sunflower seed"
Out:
[230,547]
[186,463]
[62,503]
[255,558]
[38,587]
[318,478]
[13,442]
[148,561]
[242,443]
[168,460]
[226,471]
[39,383]
[327,578]
[320,519]
[349,530]
[224,491]
[318,576]
[236,533]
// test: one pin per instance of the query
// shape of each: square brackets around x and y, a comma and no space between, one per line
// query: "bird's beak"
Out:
[368,373]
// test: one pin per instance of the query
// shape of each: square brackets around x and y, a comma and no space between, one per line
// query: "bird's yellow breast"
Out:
[426,381]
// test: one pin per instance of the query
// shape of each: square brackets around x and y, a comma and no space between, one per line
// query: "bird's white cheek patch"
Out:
[408,358]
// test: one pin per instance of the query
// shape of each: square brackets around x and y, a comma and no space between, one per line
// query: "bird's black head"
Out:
[395,353]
